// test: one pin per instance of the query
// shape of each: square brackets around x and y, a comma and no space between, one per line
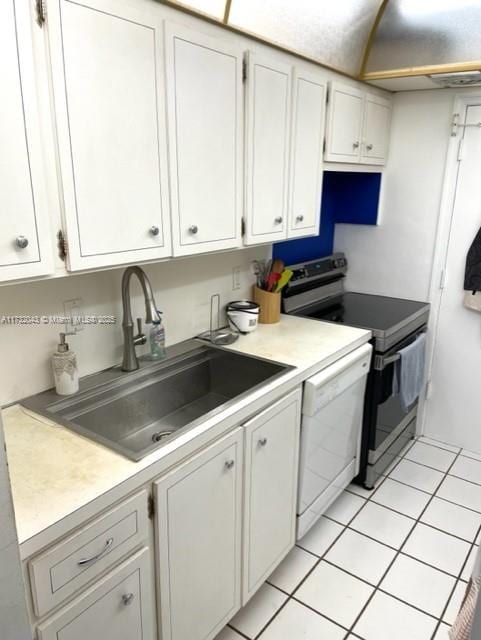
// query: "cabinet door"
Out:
[106,60]
[344,123]
[199,542]
[118,607]
[308,115]
[25,248]
[376,129]
[267,163]
[272,459]
[204,93]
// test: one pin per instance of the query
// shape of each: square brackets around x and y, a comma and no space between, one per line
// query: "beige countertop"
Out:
[60,478]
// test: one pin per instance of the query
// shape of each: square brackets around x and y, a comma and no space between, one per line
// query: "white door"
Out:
[25,248]
[454,407]
[344,123]
[376,129]
[117,607]
[272,459]
[204,93]
[308,116]
[268,119]
[106,60]
[199,541]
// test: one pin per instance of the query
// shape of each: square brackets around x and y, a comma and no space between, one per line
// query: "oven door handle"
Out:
[381,363]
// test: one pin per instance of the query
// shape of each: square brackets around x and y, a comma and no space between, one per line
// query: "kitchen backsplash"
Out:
[182,291]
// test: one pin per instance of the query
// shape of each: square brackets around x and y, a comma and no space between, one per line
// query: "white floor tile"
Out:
[468,469]
[461,492]
[419,585]
[452,519]
[228,634]
[361,556]
[345,507]
[402,498]
[455,603]
[417,476]
[471,454]
[438,549]
[437,443]
[468,567]
[386,617]
[382,524]
[258,611]
[318,539]
[442,632]
[334,593]
[431,456]
[296,621]
[292,569]
[360,491]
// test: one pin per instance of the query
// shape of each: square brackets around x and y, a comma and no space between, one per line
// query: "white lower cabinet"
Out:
[199,541]
[271,472]
[118,607]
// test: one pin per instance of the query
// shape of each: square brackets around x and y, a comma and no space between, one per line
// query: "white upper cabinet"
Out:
[358,126]
[308,117]
[344,123]
[268,118]
[25,248]
[204,94]
[376,127]
[106,60]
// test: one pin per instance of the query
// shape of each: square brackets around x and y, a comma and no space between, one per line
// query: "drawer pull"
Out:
[262,442]
[229,464]
[128,598]
[108,544]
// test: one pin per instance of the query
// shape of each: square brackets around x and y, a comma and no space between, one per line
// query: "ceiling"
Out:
[375,40]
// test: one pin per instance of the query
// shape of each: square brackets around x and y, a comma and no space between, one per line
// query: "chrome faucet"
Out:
[130,362]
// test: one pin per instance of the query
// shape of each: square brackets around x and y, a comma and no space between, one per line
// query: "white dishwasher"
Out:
[332,412]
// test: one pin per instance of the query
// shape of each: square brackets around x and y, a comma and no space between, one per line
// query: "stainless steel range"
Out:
[317,291]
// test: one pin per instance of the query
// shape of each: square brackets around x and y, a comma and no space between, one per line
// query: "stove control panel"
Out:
[323,267]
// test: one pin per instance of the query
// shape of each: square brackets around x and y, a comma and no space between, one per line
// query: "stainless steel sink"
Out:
[134,413]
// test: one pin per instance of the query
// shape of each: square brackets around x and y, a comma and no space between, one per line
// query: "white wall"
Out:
[13,613]
[395,258]
[182,290]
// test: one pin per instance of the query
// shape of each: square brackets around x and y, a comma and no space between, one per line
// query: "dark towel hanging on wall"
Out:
[472,278]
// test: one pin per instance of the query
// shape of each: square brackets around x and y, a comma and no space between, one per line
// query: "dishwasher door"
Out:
[332,413]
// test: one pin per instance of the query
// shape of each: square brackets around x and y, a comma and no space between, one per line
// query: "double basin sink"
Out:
[135,413]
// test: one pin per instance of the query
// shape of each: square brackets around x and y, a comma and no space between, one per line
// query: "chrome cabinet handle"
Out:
[229,464]
[108,544]
[278,220]
[128,598]
[193,229]
[355,145]
[263,442]
[369,147]
[154,230]
[299,218]
[21,242]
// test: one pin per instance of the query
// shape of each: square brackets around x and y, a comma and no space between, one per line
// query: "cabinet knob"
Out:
[299,218]
[128,598]
[355,145]
[154,230]
[21,242]
[278,220]
[193,229]
[369,147]
[262,442]
[229,464]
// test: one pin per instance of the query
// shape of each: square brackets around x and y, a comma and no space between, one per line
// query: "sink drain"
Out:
[160,435]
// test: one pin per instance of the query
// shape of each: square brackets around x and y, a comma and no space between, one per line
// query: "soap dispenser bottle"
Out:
[65,371]
[157,338]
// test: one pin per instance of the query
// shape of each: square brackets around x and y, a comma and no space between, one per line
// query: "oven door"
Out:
[388,417]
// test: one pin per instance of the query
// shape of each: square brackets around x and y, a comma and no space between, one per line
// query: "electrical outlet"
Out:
[73,309]
[236,278]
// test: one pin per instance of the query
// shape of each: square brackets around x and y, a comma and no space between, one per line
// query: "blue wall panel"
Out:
[348,198]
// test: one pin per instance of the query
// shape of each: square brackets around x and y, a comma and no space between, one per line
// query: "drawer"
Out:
[117,607]
[68,566]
